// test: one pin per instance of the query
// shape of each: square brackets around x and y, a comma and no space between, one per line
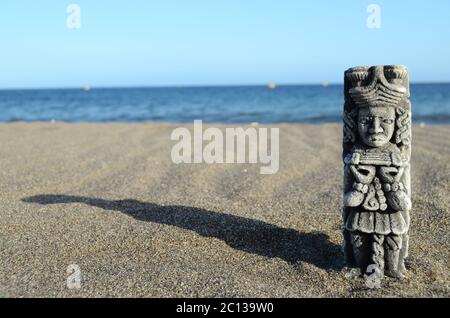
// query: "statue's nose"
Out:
[376,127]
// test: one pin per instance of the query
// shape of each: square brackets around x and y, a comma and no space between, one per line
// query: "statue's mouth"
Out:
[377,137]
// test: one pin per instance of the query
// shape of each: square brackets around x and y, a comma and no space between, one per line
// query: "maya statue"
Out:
[376,154]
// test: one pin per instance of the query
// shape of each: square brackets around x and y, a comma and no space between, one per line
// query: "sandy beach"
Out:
[108,198]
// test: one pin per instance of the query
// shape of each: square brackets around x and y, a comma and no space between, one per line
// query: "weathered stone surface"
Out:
[376,154]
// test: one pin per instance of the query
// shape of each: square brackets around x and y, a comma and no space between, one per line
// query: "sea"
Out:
[212,104]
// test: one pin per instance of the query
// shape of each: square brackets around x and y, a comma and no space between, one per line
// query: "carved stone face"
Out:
[376,125]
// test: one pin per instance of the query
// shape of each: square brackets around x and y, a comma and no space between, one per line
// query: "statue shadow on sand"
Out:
[240,233]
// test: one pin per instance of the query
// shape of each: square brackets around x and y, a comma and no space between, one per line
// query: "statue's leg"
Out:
[393,246]
[360,249]
[403,253]
[377,251]
[405,245]
[348,250]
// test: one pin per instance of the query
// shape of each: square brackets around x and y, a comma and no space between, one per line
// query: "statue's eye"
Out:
[388,121]
[364,121]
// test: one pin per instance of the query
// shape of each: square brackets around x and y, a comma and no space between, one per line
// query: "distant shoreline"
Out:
[81,87]
[187,124]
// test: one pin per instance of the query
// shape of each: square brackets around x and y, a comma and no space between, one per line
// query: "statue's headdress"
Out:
[378,86]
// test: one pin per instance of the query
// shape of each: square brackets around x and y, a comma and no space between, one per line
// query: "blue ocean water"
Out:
[224,104]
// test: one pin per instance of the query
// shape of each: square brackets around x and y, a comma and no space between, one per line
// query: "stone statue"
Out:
[376,153]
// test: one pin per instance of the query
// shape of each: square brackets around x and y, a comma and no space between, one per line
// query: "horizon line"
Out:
[323,84]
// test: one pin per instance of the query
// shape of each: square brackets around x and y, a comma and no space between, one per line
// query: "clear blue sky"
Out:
[197,42]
